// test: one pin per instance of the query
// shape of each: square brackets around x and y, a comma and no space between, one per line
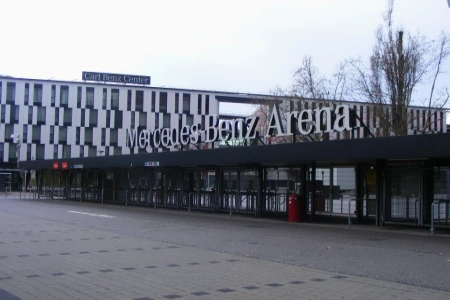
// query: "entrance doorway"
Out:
[238,191]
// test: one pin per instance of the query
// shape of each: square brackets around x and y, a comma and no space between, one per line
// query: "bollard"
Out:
[349,214]
[432,217]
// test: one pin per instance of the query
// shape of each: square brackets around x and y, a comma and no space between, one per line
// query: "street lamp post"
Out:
[18,141]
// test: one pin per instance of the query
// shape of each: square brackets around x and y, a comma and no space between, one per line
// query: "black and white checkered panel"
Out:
[93,120]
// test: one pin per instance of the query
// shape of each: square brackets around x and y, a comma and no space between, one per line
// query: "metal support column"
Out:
[380,171]
[313,190]
[259,210]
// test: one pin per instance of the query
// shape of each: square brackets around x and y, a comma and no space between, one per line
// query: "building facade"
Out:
[150,146]
[59,119]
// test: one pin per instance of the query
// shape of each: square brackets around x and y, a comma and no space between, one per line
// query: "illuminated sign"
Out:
[117,78]
[64,165]
[308,121]
[55,165]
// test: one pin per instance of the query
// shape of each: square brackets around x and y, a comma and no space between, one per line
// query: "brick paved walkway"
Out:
[47,260]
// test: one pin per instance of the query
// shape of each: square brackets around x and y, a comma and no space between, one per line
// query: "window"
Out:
[12,153]
[156,121]
[0,91]
[79,92]
[153,101]
[133,122]
[186,103]
[189,120]
[10,93]
[93,116]
[30,115]
[53,95]
[29,152]
[166,121]
[81,151]
[411,119]
[117,151]
[9,130]
[2,150]
[67,117]
[88,135]
[142,119]
[207,105]
[118,117]
[83,117]
[177,102]
[64,96]
[103,141]
[89,97]
[52,134]
[55,151]
[77,135]
[62,135]
[104,98]
[24,133]
[37,94]
[36,134]
[40,151]
[435,122]
[66,151]
[92,151]
[14,114]
[199,105]
[113,137]
[3,113]
[114,99]
[26,96]
[41,115]
[140,100]
[108,118]
[163,102]
[129,96]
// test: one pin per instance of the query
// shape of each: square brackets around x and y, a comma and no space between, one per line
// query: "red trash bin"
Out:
[294,209]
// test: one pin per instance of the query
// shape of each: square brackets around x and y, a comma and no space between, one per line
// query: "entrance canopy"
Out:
[413,147]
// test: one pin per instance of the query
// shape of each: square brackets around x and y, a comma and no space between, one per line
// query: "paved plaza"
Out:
[65,250]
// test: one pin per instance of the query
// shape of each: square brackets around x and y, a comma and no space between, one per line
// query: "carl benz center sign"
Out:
[116,78]
[308,121]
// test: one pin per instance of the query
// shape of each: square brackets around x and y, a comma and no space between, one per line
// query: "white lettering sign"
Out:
[309,121]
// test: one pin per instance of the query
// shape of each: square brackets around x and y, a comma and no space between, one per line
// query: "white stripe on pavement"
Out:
[93,215]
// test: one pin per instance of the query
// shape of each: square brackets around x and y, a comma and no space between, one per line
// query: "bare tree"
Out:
[309,90]
[309,83]
[397,66]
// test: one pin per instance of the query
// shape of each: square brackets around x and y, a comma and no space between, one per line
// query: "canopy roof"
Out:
[351,151]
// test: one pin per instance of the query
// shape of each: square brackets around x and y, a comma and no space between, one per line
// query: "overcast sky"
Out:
[238,46]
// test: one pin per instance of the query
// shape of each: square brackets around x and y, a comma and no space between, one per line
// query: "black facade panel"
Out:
[118,119]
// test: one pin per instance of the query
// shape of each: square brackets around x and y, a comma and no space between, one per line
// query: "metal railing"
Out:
[276,202]
[441,218]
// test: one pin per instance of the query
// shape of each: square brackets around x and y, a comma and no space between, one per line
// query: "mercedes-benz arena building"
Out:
[113,138]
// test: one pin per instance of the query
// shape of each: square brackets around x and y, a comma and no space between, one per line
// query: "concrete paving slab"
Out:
[41,259]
